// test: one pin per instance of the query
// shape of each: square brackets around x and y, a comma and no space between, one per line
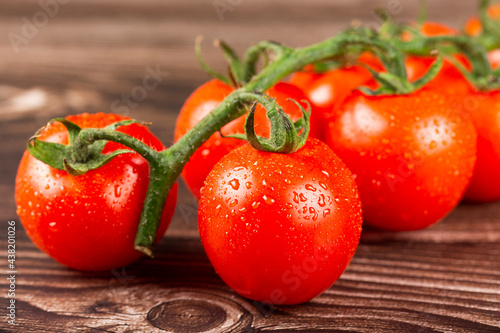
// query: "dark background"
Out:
[84,55]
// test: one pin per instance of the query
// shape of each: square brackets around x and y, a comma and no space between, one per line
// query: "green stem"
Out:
[161,180]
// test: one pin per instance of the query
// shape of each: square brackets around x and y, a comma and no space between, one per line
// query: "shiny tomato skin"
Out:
[412,155]
[280,228]
[88,222]
[485,183]
[205,99]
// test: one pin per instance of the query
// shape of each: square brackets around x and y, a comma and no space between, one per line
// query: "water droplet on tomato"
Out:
[118,191]
[302,197]
[268,200]
[248,185]
[233,203]
[255,204]
[433,145]
[295,197]
[321,200]
[309,187]
[235,184]
[217,210]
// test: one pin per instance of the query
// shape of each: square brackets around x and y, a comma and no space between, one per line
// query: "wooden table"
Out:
[86,54]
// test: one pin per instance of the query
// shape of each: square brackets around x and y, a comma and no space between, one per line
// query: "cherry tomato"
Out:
[88,222]
[205,99]
[484,109]
[280,228]
[412,155]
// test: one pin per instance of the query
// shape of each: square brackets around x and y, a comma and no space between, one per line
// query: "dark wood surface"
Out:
[444,279]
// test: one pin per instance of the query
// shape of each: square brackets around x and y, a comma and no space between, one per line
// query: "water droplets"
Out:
[217,210]
[321,200]
[309,187]
[118,191]
[235,184]
[268,200]
[233,203]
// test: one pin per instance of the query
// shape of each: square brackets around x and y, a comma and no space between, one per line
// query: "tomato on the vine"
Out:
[412,155]
[88,222]
[205,99]
[280,228]
[483,108]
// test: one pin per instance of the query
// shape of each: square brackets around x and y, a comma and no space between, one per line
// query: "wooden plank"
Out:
[443,279]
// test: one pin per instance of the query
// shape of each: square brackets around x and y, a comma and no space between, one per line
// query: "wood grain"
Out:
[443,279]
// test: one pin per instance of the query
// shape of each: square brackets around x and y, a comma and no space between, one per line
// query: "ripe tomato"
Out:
[205,99]
[88,222]
[412,155]
[328,90]
[484,108]
[280,228]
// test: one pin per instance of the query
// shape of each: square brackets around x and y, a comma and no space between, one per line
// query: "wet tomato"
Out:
[88,222]
[205,99]
[280,228]
[412,155]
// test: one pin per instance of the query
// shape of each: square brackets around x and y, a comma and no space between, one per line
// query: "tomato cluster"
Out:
[282,228]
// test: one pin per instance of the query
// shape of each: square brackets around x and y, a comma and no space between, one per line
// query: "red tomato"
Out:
[205,99]
[88,222]
[412,155]
[484,109]
[280,228]
[474,26]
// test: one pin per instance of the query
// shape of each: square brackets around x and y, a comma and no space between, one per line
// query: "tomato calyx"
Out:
[79,156]
[284,136]
[284,133]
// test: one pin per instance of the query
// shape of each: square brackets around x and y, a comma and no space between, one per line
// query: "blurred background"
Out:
[60,57]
